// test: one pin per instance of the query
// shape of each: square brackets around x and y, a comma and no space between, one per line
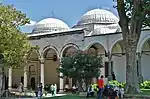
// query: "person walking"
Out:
[20,89]
[101,87]
[52,90]
[55,89]
[40,87]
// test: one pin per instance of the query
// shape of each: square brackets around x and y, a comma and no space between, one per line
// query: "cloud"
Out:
[27,28]
[32,23]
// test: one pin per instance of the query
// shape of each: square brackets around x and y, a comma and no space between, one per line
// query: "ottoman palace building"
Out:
[97,31]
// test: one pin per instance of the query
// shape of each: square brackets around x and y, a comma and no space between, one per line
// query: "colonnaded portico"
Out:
[97,32]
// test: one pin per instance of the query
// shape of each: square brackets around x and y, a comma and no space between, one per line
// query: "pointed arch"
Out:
[67,46]
[114,43]
[47,48]
[140,45]
[95,42]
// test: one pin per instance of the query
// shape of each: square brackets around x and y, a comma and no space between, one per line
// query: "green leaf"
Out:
[13,43]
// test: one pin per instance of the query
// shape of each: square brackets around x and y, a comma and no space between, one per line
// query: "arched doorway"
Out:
[33,85]
[118,59]
[145,60]
[51,63]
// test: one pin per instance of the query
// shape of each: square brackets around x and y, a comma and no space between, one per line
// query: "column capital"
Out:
[42,60]
[109,55]
[138,55]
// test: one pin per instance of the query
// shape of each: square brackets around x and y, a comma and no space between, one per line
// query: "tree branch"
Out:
[138,15]
[123,17]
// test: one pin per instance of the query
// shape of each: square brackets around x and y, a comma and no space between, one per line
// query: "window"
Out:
[106,69]
[22,80]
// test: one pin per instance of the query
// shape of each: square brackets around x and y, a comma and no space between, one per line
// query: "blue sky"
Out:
[69,11]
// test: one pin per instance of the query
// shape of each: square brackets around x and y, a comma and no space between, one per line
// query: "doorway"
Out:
[33,83]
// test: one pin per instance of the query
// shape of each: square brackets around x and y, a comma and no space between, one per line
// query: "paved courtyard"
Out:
[32,94]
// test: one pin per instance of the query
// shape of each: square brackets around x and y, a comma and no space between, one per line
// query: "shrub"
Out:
[117,83]
[145,85]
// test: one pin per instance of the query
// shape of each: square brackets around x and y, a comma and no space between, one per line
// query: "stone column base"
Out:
[9,88]
[61,91]
[25,88]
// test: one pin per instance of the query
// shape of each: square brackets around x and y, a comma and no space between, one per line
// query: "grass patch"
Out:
[145,92]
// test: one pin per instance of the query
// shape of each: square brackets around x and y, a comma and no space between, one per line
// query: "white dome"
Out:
[98,16]
[50,25]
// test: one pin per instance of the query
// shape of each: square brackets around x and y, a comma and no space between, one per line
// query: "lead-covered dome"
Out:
[50,25]
[98,16]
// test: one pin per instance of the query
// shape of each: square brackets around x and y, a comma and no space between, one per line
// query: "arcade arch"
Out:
[145,56]
[51,63]
[69,50]
[96,49]
[118,64]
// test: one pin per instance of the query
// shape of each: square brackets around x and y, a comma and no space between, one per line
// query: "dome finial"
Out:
[52,14]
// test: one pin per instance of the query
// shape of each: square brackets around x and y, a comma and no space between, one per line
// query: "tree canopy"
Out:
[81,66]
[14,45]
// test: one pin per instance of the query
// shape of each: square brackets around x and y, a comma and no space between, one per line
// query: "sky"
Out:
[70,11]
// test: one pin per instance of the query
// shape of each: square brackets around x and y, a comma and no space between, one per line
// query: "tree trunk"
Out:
[131,30]
[88,82]
[132,85]
[79,85]
[2,81]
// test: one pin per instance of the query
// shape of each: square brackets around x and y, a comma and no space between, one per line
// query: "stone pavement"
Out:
[33,95]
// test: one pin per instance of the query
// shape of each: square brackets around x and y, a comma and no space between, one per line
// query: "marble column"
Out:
[139,55]
[61,81]
[25,78]
[42,71]
[109,67]
[10,79]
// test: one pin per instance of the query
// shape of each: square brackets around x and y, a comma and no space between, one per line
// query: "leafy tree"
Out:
[81,67]
[14,45]
[134,14]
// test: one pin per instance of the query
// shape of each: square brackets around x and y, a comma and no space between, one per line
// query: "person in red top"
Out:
[101,87]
